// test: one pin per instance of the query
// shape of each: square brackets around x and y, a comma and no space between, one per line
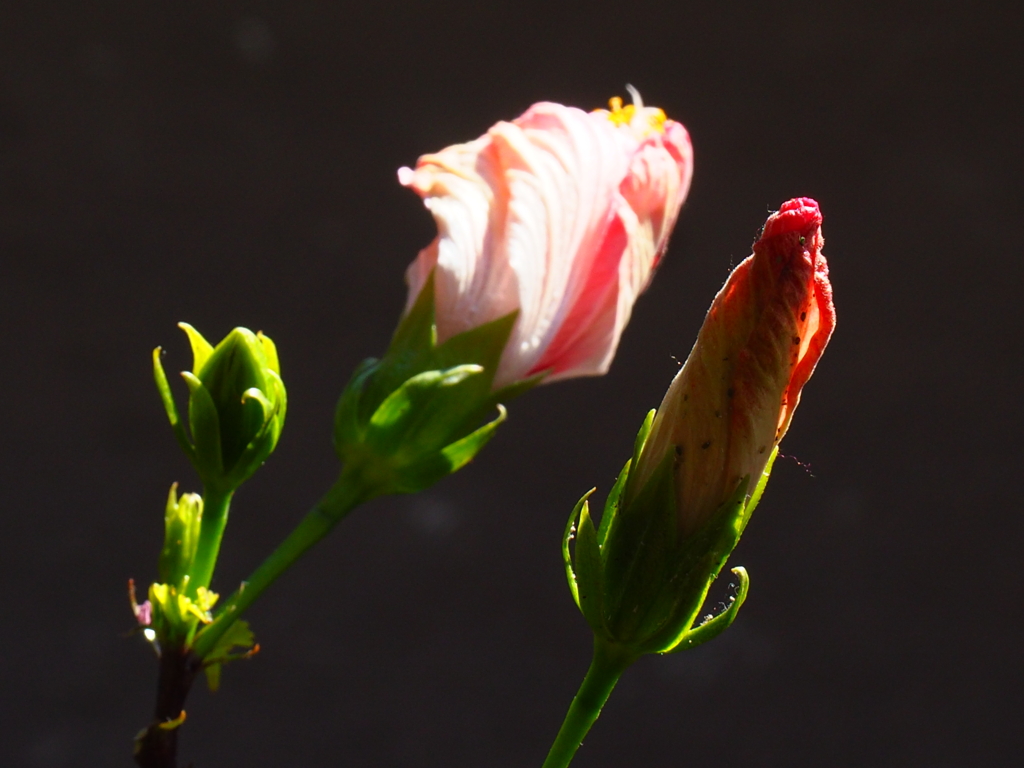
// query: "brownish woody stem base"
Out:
[157,745]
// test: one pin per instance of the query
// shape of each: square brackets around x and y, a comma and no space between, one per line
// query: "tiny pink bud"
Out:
[144,614]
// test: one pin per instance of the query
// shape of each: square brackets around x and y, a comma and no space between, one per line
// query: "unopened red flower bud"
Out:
[733,399]
[699,466]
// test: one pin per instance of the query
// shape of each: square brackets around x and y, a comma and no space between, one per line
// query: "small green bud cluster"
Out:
[174,615]
[182,523]
[236,409]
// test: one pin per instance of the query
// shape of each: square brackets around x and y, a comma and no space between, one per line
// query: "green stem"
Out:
[607,666]
[215,518]
[346,494]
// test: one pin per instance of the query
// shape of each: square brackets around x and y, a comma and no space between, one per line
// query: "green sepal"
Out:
[416,334]
[201,348]
[409,419]
[589,572]
[238,363]
[734,518]
[254,454]
[755,497]
[270,352]
[643,434]
[613,502]
[713,626]
[347,427]
[417,435]
[264,441]
[461,452]
[611,505]
[268,408]
[482,345]
[652,577]
[417,415]
[204,423]
[640,559]
[570,533]
[237,636]
[434,466]
[415,339]
[629,490]
[281,409]
[170,407]
[414,350]
[698,562]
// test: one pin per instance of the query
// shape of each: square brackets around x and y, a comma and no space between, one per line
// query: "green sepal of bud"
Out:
[182,523]
[639,583]
[711,626]
[237,405]
[416,415]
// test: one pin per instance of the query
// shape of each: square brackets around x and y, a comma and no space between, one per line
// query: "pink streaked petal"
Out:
[585,342]
[460,190]
[651,195]
[567,169]
[531,217]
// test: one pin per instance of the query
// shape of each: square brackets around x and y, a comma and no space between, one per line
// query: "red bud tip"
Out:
[800,214]
[734,398]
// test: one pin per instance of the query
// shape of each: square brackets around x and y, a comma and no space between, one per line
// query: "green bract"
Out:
[413,417]
[639,582]
[236,409]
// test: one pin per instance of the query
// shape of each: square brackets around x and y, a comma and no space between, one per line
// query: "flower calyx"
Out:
[639,582]
[413,417]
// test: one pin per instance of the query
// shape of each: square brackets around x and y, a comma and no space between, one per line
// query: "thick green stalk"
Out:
[215,517]
[347,493]
[605,670]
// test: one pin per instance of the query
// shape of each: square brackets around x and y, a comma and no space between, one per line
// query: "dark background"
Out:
[234,163]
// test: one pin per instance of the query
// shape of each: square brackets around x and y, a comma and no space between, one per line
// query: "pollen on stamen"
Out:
[642,120]
[618,114]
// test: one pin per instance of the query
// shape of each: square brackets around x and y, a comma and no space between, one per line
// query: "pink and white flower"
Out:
[560,214]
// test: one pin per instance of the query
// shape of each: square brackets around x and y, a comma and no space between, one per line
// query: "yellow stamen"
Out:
[657,120]
[618,114]
[624,115]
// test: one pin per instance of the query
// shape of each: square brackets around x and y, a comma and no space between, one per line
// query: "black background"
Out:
[234,164]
